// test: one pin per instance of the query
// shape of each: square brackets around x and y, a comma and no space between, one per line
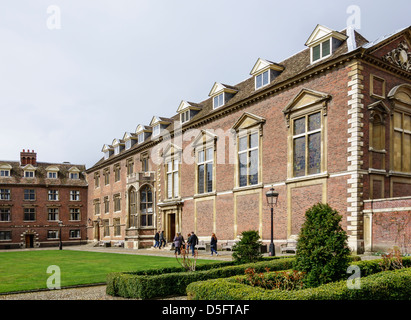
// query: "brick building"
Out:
[331,123]
[39,199]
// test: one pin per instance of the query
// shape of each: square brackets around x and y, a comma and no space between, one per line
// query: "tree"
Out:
[248,248]
[322,250]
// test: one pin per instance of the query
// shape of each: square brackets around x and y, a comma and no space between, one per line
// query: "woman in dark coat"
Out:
[213,244]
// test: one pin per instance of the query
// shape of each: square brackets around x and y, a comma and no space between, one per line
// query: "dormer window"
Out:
[187,110]
[52,172]
[156,130]
[74,173]
[221,94]
[264,72]
[185,116]
[323,42]
[142,132]
[129,140]
[321,51]
[218,101]
[29,174]
[118,146]
[29,171]
[159,123]
[107,150]
[262,80]
[5,170]
[140,138]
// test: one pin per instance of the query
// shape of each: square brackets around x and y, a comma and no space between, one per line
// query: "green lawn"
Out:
[28,270]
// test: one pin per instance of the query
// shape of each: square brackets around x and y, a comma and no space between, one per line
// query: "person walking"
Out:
[193,241]
[162,240]
[213,244]
[157,240]
[177,243]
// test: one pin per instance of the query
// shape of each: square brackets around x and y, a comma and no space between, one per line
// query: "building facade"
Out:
[328,124]
[41,203]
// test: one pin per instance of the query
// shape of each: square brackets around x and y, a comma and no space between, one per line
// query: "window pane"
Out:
[326,48]
[221,99]
[243,143]
[143,196]
[314,121]
[397,120]
[314,153]
[254,140]
[169,185]
[149,195]
[259,81]
[209,155]
[253,170]
[175,165]
[176,193]
[299,157]
[216,102]
[209,177]
[201,178]
[407,153]
[316,53]
[200,156]
[265,78]
[407,122]
[397,151]
[143,220]
[299,126]
[243,169]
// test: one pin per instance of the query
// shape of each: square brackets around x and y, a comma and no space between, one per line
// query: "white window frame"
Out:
[53,195]
[74,195]
[74,175]
[185,116]
[156,130]
[219,103]
[4,173]
[140,137]
[262,79]
[29,174]
[52,175]
[321,51]
[172,178]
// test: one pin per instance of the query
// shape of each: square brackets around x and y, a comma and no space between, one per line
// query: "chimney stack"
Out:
[27,157]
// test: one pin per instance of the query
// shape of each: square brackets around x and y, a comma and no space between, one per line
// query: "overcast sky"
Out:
[111,65]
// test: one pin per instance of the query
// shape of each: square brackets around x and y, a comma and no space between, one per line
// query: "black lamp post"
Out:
[272,198]
[61,242]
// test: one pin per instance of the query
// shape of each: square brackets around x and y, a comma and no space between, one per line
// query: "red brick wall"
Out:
[391,223]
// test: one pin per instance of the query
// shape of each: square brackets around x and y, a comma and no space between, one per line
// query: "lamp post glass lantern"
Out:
[272,197]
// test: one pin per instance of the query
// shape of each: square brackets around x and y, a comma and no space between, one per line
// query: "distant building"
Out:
[332,123]
[39,199]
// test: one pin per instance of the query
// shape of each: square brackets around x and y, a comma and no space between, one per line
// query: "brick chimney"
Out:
[27,157]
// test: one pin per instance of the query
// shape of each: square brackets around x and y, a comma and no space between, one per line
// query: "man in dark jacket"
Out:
[157,239]
[193,241]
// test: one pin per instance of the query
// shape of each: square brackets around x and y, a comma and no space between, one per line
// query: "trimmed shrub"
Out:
[387,285]
[248,248]
[144,286]
[322,250]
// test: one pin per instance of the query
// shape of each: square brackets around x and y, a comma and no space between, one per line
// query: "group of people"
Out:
[178,241]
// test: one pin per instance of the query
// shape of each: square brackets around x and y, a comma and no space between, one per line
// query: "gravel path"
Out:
[83,293]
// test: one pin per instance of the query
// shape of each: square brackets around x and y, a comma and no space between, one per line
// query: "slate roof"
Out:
[293,66]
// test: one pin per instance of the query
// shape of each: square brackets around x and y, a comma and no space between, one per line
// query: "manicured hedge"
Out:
[375,285]
[152,283]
